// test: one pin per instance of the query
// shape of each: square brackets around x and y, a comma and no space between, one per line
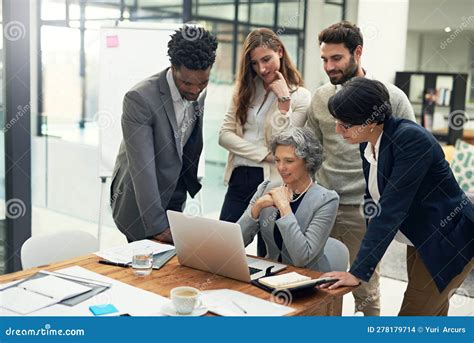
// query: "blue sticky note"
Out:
[99,310]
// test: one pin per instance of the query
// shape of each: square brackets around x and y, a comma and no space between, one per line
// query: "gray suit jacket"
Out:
[304,233]
[149,162]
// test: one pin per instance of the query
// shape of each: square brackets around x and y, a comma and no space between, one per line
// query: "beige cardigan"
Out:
[231,132]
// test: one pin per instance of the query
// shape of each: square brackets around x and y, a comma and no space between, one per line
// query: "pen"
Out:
[240,307]
[115,264]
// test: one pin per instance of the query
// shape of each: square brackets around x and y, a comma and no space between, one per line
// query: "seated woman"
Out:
[294,219]
[414,198]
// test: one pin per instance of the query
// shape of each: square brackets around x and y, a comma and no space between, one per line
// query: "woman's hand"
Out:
[281,196]
[280,88]
[345,279]
[261,203]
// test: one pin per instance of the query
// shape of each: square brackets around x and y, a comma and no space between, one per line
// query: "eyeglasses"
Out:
[344,125]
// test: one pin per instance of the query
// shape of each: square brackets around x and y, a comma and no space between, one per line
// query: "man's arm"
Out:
[402,108]
[139,146]
[312,121]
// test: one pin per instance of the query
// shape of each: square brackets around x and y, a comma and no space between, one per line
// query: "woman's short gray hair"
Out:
[306,146]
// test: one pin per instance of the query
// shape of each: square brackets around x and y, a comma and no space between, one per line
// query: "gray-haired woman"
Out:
[294,219]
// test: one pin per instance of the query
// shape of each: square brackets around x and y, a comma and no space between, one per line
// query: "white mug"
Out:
[185,299]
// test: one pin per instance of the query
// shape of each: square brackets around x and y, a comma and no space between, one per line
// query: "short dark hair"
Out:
[192,46]
[343,32]
[361,102]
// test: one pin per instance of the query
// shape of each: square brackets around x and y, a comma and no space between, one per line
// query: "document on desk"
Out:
[126,298]
[227,302]
[36,294]
[124,253]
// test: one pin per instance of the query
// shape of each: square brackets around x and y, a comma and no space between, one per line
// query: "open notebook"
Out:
[292,280]
[34,294]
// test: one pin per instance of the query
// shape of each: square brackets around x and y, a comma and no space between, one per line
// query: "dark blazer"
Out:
[419,196]
[149,162]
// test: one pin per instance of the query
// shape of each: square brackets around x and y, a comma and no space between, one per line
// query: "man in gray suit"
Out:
[162,138]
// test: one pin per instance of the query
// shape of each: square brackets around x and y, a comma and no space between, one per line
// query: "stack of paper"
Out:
[124,253]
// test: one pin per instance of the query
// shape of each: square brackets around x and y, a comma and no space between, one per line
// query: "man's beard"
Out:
[347,74]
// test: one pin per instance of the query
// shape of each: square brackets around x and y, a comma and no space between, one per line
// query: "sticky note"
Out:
[98,310]
[112,41]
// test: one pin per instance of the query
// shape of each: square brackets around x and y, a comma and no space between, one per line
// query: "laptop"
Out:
[215,246]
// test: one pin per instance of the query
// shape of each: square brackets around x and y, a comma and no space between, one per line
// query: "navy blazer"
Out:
[420,197]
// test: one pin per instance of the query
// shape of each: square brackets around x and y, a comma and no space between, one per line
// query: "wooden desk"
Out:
[320,303]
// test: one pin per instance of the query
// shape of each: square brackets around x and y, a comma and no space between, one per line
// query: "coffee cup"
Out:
[185,299]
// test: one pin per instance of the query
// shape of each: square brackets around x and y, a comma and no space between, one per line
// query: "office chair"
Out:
[46,249]
[337,254]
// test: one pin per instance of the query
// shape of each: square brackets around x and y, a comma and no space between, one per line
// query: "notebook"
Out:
[291,280]
[34,294]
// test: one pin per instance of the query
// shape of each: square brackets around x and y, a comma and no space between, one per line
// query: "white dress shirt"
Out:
[183,109]
[372,183]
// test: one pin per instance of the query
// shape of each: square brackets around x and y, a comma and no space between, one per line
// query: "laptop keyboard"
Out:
[253,270]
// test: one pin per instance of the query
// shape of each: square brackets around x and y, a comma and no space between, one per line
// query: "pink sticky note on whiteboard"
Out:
[112,41]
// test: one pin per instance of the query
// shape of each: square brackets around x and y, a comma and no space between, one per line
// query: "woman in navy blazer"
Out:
[411,195]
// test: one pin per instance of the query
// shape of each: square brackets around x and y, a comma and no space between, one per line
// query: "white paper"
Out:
[21,301]
[227,302]
[126,298]
[54,287]
[124,253]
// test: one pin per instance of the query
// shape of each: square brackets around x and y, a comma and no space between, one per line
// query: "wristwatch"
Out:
[284,98]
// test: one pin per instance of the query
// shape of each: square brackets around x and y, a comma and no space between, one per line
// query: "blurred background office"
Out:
[49,111]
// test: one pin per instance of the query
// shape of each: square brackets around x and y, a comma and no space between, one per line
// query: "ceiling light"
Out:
[447,29]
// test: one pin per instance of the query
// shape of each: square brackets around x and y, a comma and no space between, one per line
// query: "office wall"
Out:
[384,36]
[432,15]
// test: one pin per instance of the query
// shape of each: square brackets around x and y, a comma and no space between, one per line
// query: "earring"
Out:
[371,129]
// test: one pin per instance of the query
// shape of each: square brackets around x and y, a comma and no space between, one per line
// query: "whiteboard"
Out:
[129,53]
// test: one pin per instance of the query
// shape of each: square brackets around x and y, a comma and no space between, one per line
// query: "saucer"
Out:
[169,310]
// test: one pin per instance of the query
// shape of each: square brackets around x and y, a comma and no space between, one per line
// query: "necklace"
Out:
[301,194]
